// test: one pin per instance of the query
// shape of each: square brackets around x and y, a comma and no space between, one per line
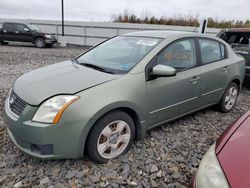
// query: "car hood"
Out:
[234,154]
[43,32]
[61,78]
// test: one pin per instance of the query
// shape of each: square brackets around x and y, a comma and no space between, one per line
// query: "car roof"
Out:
[165,34]
[14,22]
[244,30]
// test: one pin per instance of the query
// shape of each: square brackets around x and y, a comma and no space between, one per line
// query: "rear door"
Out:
[215,70]
[9,32]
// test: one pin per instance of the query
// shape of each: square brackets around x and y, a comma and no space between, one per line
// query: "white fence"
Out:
[92,33]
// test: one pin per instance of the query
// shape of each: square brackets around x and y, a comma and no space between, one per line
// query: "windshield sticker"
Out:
[126,66]
[146,42]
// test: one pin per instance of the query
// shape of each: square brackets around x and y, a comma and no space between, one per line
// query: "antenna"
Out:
[203,26]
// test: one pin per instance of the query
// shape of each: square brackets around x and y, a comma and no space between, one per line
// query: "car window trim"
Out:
[152,61]
[199,49]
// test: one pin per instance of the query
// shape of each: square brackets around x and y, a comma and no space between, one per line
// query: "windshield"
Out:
[119,54]
[33,27]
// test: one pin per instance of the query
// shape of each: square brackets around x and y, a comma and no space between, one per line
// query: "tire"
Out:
[229,98]
[40,42]
[101,148]
[4,43]
[49,45]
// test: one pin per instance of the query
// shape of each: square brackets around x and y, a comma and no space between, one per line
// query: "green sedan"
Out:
[99,102]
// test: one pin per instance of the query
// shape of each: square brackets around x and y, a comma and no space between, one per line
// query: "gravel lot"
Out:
[167,157]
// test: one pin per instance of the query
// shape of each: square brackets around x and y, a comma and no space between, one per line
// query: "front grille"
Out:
[16,104]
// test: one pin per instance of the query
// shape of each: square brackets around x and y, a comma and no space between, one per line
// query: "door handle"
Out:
[195,79]
[4,31]
[226,68]
[16,32]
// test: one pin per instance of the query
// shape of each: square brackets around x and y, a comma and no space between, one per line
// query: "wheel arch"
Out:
[131,110]
[38,36]
[237,81]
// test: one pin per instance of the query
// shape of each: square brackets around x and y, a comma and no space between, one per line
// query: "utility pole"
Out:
[62,19]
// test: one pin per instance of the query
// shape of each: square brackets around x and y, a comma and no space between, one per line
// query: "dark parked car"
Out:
[239,39]
[226,163]
[21,32]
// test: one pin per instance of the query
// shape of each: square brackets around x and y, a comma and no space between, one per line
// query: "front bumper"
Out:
[45,141]
[50,41]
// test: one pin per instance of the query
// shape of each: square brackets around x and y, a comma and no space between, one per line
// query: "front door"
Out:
[170,97]
[23,33]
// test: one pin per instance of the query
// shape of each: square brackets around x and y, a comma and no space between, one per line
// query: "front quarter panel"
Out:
[125,92]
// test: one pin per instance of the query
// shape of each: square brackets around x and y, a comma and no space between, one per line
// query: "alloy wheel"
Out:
[113,139]
[231,98]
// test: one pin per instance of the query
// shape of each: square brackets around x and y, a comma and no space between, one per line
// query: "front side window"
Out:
[33,27]
[20,27]
[211,51]
[180,55]
[119,54]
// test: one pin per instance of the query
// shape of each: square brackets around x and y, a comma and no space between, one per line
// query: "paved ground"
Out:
[167,157]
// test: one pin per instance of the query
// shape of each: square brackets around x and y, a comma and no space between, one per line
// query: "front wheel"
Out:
[49,45]
[110,137]
[229,98]
[40,43]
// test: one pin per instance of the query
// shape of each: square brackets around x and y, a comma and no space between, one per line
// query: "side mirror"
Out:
[163,71]
[26,29]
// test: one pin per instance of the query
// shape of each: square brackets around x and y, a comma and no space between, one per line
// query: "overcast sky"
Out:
[102,10]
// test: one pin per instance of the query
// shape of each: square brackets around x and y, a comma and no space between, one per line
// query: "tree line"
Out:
[178,20]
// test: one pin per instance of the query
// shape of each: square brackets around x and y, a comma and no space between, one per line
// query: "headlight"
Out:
[51,110]
[210,173]
[48,36]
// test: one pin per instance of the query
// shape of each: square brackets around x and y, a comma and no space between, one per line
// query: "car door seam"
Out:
[176,104]
[210,92]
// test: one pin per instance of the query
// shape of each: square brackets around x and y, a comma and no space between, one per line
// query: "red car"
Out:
[227,163]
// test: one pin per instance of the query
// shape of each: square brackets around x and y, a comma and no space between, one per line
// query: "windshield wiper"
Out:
[96,67]
[74,61]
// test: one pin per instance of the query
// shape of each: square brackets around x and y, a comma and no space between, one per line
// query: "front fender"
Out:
[141,129]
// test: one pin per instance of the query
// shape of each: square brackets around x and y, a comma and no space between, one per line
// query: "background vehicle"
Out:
[226,163]
[99,102]
[21,32]
[239,39]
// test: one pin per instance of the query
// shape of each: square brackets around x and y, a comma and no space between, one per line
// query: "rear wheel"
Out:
[40,43]
[229,98]
[110,137]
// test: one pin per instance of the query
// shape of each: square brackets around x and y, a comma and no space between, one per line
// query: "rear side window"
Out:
[211,51]
[10,27]
[232,39]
